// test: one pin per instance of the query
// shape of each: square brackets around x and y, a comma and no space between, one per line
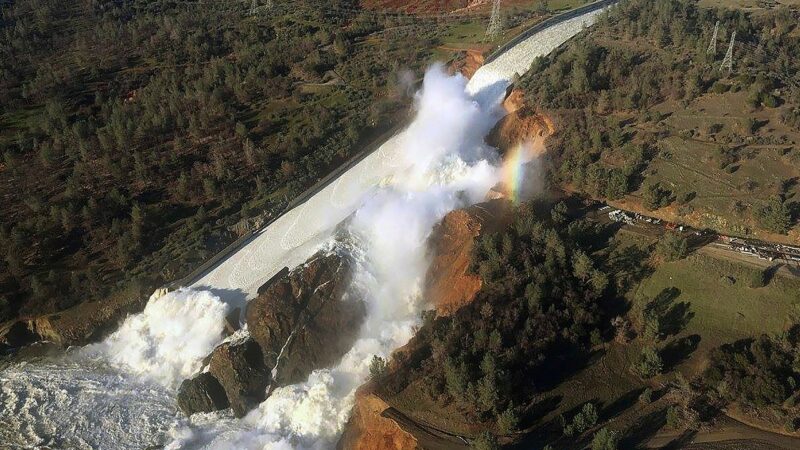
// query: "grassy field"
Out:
[720,303]
[471,32]
[689,161]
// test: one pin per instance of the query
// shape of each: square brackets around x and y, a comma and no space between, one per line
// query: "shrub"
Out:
[596,338]
[617,185]
[656,197]
[377,367]
[650,363]
[605,439]
[775,216]
[758,279]
[720,88]
[674,417]
[672,246]
[508,421]
[770,101]
[485,441]
[584,420]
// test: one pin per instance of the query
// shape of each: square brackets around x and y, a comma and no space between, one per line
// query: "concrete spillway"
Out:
[293,237]
[80,401]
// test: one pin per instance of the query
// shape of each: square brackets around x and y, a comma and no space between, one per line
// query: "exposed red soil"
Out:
[449,283]
[469,61]
[367,429]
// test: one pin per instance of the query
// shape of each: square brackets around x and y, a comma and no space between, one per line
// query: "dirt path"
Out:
[726,434]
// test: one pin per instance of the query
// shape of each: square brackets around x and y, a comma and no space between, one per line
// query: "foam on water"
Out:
[79,403]
[119,393]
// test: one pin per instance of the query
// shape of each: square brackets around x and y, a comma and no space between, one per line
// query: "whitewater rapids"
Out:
[120,393]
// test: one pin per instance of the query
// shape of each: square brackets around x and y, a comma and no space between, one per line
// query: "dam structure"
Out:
[294,237]
[87,399]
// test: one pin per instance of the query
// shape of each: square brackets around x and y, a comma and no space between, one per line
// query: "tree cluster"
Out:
[758,373]
[642,53]
[134,134]
[538,308]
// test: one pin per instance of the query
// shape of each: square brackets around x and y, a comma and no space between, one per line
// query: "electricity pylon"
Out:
[254,7]
[495,22]
[728,61]
[712,47]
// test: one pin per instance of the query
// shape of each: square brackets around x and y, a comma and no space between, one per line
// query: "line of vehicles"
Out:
[751,247]
[762,250]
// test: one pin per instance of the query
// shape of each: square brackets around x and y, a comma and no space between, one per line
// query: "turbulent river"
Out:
[120,393]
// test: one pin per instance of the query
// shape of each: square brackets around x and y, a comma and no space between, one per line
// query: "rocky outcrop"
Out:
[237,378]
[450,284]
[203,393]
[301,321]
[521,126]
[468,61]
[304,321]
[79,325]
[240,370]
[368,429]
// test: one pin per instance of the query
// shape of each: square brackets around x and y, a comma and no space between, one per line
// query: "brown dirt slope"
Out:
[449,283]
[369,430]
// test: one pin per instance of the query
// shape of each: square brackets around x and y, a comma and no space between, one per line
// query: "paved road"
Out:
[714,248]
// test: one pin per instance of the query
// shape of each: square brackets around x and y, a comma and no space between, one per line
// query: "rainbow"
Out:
[514,171]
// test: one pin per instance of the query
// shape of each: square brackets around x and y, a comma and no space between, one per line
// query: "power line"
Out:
[495,22]
[728,61]
[712,47]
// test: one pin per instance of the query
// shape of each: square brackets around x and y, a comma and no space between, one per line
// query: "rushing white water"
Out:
[120,393]
[444,164]
[169,339]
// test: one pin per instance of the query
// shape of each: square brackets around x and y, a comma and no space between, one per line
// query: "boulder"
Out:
[239,368]
[203,393]
[305,320]
[302,320]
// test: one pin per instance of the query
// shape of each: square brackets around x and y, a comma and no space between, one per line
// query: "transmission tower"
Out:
[728,61]
[712,47]
[495,22]
[254,7]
